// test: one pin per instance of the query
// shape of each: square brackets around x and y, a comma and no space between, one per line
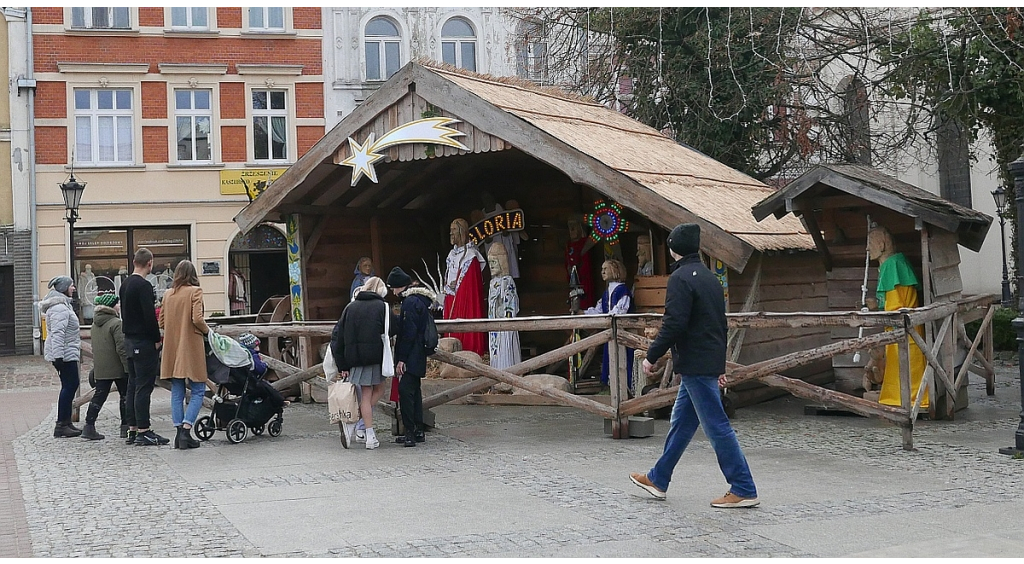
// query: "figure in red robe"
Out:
[577,253]
[464,286]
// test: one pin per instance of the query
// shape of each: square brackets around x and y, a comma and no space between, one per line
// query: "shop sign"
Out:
[250,182]
[508,220]
[428,130]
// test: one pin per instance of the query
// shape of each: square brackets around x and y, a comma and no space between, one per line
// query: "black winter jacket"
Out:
[356,340]
[694,326]
[409,345]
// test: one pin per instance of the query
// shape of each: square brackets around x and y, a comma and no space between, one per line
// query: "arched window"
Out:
[383,48]
[458,44]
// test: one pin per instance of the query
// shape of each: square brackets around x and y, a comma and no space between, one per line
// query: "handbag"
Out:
[387,367]
[342,402]
[330,367]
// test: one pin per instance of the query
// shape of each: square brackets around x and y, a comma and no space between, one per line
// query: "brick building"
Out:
[170,116]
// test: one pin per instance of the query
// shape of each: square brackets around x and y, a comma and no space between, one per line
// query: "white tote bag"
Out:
[387,367]
[330,367]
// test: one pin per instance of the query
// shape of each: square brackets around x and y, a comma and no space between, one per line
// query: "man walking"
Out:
[141,341]
[410,352]
[695,328]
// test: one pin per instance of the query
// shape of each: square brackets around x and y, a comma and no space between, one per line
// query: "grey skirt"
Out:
[366,375]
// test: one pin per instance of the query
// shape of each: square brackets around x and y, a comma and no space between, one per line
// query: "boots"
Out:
[184,439]
[177,437]
[89,432]
[64,430]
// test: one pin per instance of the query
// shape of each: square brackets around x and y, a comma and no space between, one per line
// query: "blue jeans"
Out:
[699,403]
[179,414]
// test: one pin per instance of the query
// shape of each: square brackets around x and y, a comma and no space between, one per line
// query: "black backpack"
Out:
[430,336]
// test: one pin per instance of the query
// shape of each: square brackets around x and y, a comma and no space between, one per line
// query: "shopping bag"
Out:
[342,402]
[330,367]
[387,367]
[394,389]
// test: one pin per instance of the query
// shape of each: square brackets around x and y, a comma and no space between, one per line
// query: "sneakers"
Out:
[731,500]
[360,436]
[130,440]
[372,443]
[347,430]
[645,483]
[149,438]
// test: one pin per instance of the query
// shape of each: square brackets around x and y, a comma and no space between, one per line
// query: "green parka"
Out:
[109,359]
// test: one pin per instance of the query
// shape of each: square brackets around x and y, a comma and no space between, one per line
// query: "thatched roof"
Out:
[617,156]
[867,183]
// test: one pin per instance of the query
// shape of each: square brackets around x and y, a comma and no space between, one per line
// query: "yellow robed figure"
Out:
[897,288]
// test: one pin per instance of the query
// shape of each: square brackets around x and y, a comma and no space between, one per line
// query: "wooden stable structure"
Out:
[554,154]
[836,202]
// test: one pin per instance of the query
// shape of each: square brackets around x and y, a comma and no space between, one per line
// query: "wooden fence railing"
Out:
[939,347]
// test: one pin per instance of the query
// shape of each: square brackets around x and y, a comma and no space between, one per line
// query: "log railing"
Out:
[621,331]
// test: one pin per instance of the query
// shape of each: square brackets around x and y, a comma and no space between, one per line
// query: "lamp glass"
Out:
[72,191]
[999,195]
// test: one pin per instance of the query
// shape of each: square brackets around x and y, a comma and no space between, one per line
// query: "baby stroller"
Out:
[238,407]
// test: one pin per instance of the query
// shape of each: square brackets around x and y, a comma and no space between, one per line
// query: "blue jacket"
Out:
[694,326]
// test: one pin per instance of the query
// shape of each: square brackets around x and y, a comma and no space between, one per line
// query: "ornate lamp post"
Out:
[72,190]
[1016,169]
[999,195]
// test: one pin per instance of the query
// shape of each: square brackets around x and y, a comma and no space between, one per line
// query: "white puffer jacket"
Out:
[63,339]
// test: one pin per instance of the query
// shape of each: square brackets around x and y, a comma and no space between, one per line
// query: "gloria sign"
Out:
[508,220]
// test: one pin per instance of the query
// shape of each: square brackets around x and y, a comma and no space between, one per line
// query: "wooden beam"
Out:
[811,224]
[314,238]
[776,203]
[516,381]
[525,367]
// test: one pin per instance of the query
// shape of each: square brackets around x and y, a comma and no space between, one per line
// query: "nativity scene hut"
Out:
[434,144]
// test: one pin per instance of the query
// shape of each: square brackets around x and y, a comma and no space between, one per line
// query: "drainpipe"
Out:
[36,331]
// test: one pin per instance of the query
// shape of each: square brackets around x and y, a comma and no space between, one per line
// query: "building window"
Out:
[100,18]
[458,44]
[266,19]
[532,56]
[189,18]
[269,125]
[383,49]
[193,120]
[103,126]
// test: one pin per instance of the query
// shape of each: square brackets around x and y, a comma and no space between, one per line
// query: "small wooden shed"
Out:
[835,202]
[555,154]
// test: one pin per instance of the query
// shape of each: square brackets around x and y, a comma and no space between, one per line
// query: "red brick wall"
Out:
[229,18]
[154,144]
[51,145]
[126,49]
[47,15]
[232,100]
[308,136]
[309,100]
[151,17]
[154,100]
[306,18]
[51,100]
[233,144]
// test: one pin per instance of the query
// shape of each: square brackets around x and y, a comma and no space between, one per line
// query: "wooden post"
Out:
[617,382]
[904,354]
[990,375]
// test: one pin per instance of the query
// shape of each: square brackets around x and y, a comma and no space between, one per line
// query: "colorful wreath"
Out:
[606,222]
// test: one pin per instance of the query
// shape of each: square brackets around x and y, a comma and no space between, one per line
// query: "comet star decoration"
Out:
[429,130]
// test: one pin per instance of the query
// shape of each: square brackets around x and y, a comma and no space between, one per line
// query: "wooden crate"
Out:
[649,293]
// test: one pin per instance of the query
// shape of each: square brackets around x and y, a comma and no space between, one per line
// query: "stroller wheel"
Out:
[258,430]
[204,428]
[237,431]
[274,427]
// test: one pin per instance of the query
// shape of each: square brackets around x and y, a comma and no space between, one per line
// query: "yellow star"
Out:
[361,160]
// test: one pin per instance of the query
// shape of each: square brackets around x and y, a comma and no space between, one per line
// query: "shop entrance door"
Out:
[268,273]
[258,269]
[7,310]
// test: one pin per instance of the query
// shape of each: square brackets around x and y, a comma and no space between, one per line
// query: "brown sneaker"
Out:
[731,500]
[644,482]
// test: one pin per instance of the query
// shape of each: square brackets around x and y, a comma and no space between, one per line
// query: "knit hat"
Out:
[685,239]
[249,341]
[108,299]
[61,283]
[397,278]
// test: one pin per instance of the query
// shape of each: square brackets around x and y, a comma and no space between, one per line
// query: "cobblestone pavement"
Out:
[517,481]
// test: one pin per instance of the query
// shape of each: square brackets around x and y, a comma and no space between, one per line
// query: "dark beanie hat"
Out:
[397,278]
[685,239]
[61,283]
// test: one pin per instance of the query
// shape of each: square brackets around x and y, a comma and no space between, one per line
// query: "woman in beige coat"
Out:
[184,355]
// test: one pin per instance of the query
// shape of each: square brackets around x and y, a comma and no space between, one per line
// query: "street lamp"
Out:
[999,195]
[72,191]
[1016,169]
